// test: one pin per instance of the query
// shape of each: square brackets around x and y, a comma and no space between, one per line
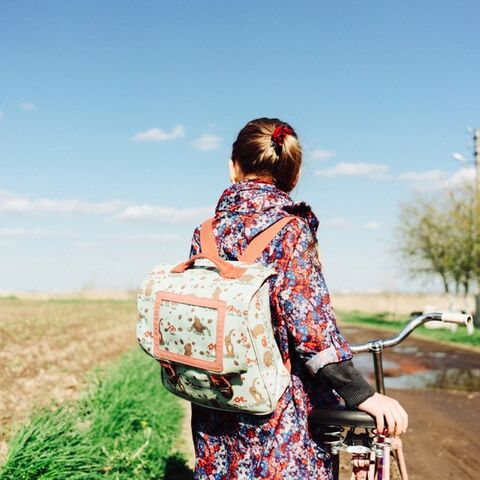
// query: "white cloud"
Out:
[27,106]
[334,222]
[35,232]
[1,114]
[81,245]
[435,179]
[159,135]
[427,176]
[371,225]
[339,223]
[119,210]
[321,155]
[150,237]
[142,237]
[154,213]
[207,142]
[461,176]
[6,243]
[12,203]
[12,232]
[375,171]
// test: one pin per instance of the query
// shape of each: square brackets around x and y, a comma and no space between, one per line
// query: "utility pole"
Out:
[476,222]
[476,157]
[476,216]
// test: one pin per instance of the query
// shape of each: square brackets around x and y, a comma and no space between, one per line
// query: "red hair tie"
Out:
[279,134]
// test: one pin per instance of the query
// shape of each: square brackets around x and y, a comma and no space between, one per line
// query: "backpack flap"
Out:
[197,318]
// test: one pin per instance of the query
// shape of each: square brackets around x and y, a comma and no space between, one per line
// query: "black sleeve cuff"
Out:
[345,379]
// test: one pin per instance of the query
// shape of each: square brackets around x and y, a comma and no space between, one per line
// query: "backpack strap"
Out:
[261,241]
[208,243]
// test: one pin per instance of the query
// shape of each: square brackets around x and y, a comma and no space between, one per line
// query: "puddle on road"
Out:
[466,379]
[364,363]
[405,349]
[449,379]
[443,370]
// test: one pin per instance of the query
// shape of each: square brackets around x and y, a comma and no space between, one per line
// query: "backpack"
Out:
[208,322]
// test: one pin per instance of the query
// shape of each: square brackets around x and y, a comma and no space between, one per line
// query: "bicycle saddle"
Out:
[348,418]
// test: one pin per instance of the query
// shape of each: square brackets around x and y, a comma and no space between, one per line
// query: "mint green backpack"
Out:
[208,323]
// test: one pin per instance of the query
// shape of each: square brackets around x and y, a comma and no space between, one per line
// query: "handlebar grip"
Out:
[452,317]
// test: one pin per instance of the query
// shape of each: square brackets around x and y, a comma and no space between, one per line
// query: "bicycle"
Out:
[371,450]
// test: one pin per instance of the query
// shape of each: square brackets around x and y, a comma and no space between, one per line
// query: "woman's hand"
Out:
[386,408]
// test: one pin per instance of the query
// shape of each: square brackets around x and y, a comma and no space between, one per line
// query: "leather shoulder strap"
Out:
[208,243]
[261,241]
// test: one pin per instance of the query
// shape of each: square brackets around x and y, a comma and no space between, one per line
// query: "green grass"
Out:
[125,427]
[382,321]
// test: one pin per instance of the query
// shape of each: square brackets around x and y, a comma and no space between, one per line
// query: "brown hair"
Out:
[256,152]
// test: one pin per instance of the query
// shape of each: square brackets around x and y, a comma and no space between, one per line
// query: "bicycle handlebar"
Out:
[379,345]
[452,317]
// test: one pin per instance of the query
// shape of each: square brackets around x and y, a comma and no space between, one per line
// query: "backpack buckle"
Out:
[169,370]
[222,384]
[172,376]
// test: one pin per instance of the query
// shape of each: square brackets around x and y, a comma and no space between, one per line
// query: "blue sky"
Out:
[117,119]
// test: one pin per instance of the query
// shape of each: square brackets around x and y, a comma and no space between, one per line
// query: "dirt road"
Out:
[444,424]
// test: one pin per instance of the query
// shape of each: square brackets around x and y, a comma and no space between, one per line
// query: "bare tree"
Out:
[460,208]
[421,239]
[439,235]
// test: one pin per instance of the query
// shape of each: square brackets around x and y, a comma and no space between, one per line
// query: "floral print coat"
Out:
[277,446]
